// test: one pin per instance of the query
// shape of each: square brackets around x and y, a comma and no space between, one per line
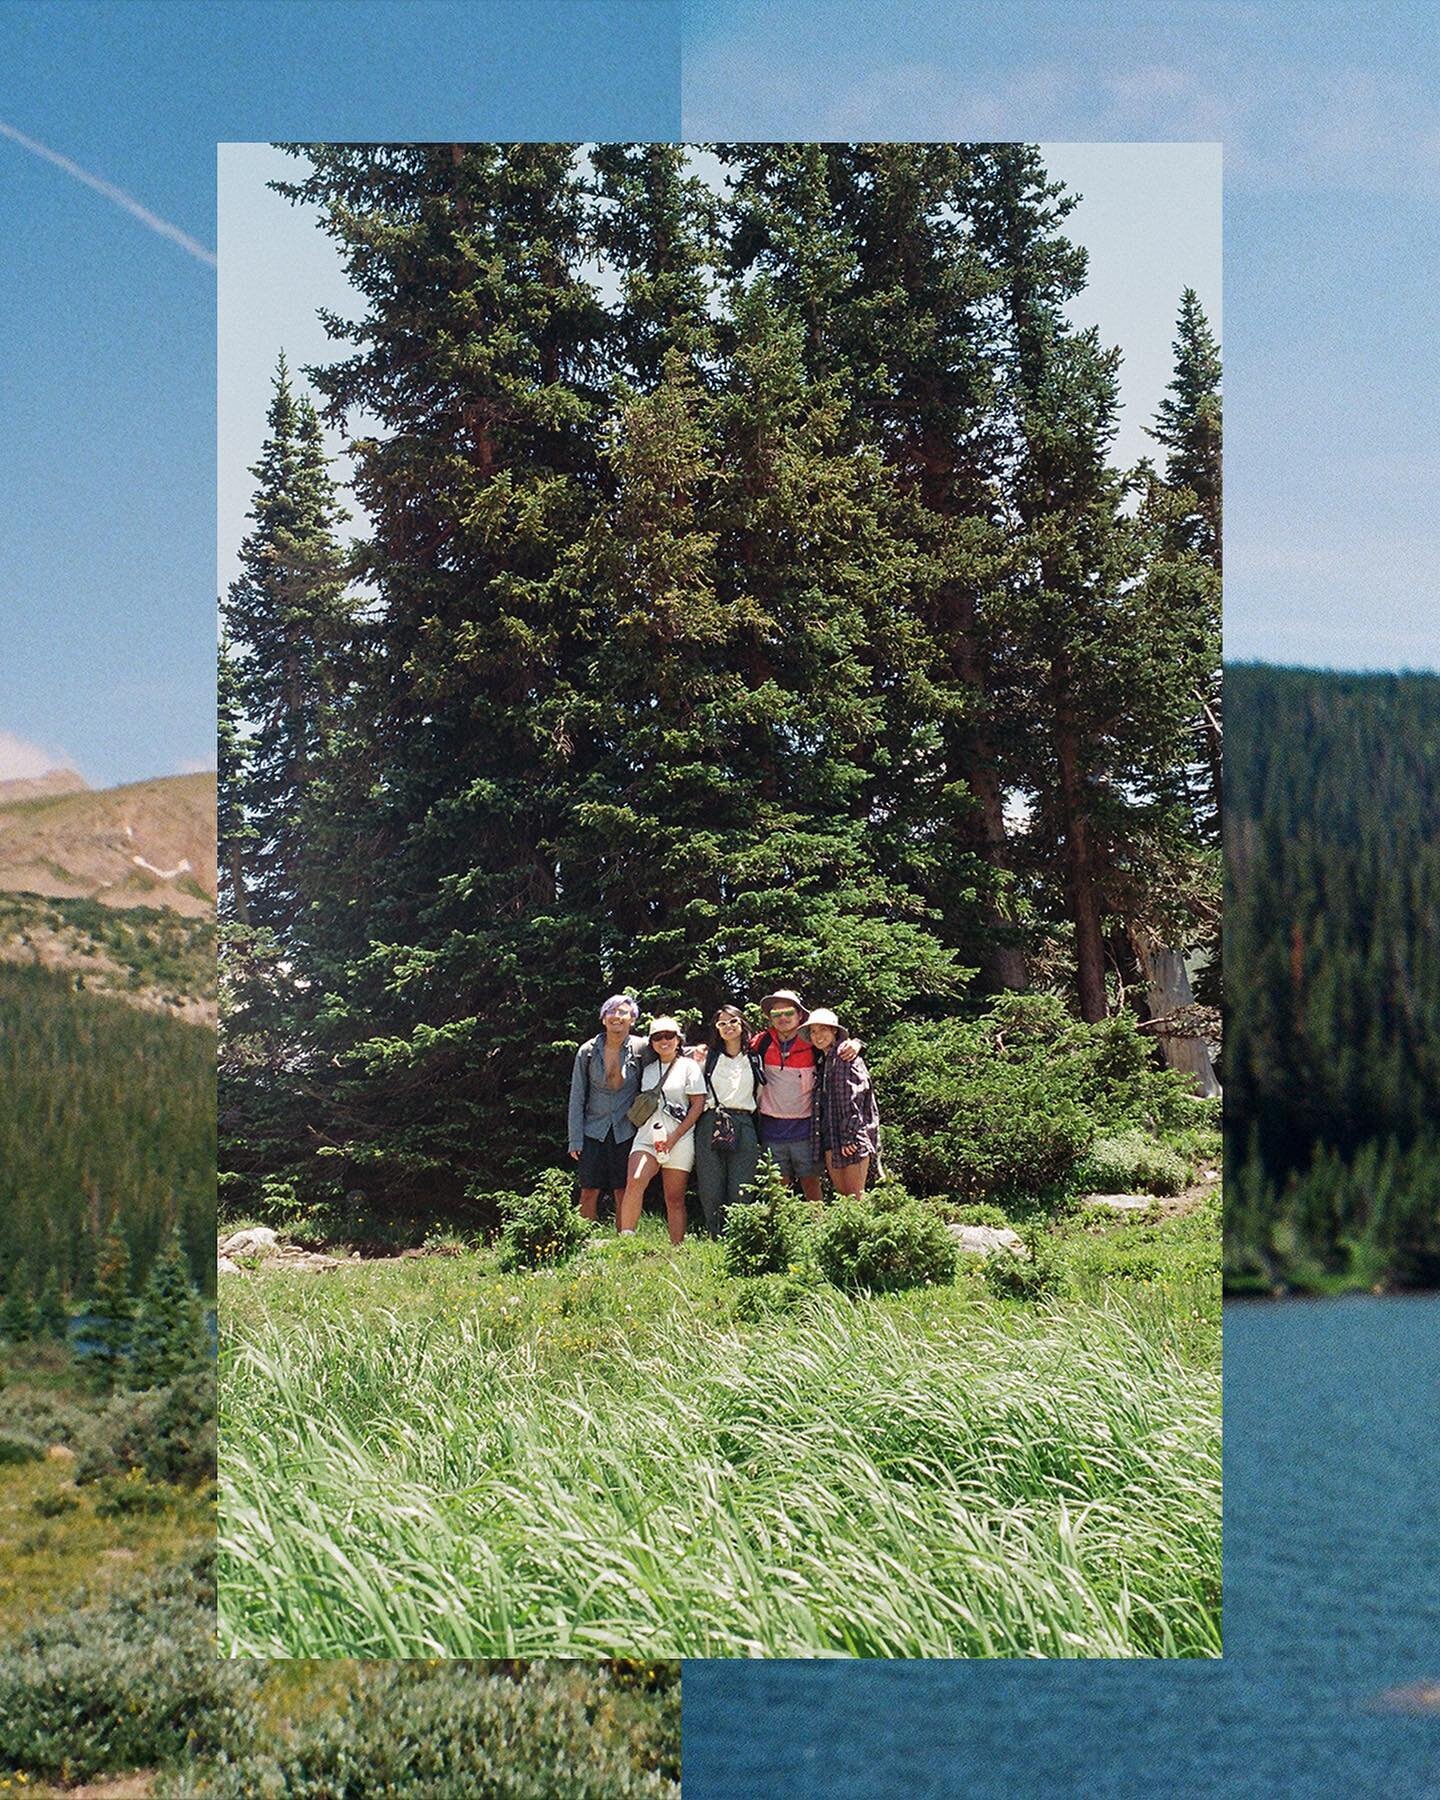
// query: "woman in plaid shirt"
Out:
[844,1122]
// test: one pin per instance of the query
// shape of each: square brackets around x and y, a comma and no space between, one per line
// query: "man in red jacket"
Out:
[788,1094]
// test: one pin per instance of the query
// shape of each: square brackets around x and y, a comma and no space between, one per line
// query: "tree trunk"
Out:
[1003,965]
[1167,991]
[1080,876]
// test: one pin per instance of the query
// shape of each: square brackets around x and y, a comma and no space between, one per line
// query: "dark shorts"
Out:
[603,1163]
[792,1156]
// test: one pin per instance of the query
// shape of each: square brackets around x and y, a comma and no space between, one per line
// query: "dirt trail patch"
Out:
[110,1787]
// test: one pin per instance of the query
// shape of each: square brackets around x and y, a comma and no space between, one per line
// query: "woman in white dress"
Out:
[666,1140]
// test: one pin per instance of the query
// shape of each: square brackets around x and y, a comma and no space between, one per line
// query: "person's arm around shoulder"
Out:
[695,1092]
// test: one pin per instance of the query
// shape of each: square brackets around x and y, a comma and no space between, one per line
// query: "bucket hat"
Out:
[823,1016]
[785,994]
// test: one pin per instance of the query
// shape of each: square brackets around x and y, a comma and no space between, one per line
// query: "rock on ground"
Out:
[1121,1202]
[985,1240]
[265,1245]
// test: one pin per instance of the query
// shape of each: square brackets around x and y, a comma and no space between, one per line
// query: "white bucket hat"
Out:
[822,1015]
[665,1024]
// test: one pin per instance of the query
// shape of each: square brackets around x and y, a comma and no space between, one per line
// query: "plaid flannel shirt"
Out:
[844,1111]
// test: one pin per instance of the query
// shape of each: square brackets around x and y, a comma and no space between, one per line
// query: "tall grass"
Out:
[938,1476]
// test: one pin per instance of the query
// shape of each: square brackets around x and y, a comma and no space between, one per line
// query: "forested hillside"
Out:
[105,1111]
[1332,930]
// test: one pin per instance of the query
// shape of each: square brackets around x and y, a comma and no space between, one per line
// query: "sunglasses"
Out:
[663,1036]
[783,1012]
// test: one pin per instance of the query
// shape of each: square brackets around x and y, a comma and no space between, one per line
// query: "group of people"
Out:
[797,1090]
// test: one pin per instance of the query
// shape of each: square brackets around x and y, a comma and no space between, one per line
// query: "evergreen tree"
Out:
[1185,513]
[288,612]
[17,1316]
[1188,425]
[236,832]
[870,247]
[169,1338]
[659,225]
[111,1312]
[441,965]
[53,1315]
[1099,678]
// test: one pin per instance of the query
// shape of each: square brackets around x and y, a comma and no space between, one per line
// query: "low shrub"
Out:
[1037,1276]
[19,1447]
[1006,1105]
[769,1296]
[409,1732]
[981,1213]
[131,1682]
[542,1228]
[168,1433]
[884,1241]
[130,1496]
[36,1413]
[767,1234]
[54,1506]
[1131,1162]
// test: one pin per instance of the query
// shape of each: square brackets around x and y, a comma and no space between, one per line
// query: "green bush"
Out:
[884,1241]
[1037,1276]
[130,1496]
[768,1296]
[1006,1105]
[411,1732]
[767,1234]
[981,1213]
[38,1413]
[54,1506]
[19,1447]
[542,1228]
[168,1432]
[1131,1162]
[128,1683]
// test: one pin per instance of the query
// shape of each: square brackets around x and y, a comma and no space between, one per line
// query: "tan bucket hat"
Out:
[666,1024]
[784,994]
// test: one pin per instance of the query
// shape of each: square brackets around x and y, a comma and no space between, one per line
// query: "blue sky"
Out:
[1330,120]
[107,463]
[107,468]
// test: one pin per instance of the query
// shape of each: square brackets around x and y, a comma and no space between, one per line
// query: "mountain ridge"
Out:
[147,843]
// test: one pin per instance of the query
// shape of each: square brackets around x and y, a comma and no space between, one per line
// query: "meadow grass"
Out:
[431,1459]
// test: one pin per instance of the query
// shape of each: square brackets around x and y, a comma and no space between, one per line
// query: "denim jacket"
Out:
[594,1108]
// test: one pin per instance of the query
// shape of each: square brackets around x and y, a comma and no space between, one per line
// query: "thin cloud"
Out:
[20,760]
[111,192]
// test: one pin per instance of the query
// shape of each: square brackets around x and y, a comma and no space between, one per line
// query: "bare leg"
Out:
[642,1169]
[848,1178]
[675,1181]
[589,1203]
[810,1187]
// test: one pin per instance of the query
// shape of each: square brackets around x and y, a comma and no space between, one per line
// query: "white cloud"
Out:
[21,760]
[1285,128]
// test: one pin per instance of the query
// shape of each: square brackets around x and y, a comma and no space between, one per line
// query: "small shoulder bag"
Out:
[644,1106]
[724,1134]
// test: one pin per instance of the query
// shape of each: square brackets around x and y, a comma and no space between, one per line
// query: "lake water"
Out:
[1332,1595]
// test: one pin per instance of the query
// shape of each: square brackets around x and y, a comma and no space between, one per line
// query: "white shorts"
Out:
[682,1155]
